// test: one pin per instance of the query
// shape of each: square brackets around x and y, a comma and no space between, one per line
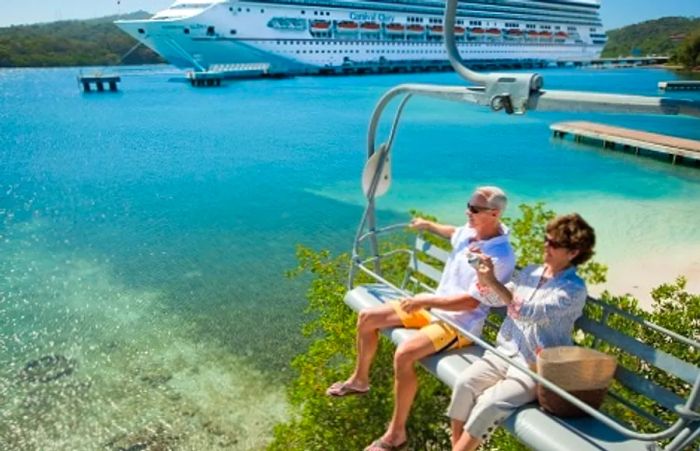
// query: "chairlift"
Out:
[517,94]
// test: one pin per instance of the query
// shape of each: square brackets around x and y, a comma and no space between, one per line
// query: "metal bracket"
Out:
[511,92]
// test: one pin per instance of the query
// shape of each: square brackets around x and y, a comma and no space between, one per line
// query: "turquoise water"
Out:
[144,235]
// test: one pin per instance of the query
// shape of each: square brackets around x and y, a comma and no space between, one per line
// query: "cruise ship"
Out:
[317,36]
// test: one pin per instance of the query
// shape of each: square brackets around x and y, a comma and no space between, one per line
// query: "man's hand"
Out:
[419,224]
[410,305]
[485,271]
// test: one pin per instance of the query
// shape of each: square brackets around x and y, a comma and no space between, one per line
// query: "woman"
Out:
[543,303]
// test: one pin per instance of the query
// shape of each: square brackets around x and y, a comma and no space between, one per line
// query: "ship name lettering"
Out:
[371,17]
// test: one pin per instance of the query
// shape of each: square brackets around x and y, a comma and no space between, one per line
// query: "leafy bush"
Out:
[350,423]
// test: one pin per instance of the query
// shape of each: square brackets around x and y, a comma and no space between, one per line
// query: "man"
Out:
[457,297]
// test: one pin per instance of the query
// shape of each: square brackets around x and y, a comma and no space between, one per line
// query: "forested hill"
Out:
[92,42]
[660,37]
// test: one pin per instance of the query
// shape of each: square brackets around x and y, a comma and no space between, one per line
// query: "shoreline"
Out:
[639,276]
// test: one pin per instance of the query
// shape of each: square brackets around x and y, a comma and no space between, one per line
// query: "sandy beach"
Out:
[639,274]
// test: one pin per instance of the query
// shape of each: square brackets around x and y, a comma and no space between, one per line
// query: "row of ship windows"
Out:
[240,10]
[416,52]
[366,43]
[490,8]
[420,19]
[382,43]
[528,26]
[316,13]
[431,20]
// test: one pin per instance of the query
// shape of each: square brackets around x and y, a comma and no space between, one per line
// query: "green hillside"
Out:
[660,37]
[71,43]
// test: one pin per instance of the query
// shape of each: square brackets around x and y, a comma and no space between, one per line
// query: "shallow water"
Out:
[144,235]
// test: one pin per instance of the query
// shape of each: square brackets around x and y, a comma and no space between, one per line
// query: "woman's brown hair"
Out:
[572,232]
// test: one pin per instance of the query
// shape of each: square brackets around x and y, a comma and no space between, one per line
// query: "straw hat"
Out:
[583,372]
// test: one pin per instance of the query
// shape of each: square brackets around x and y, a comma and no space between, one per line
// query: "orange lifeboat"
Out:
[320,26]
[545,35]
[533,34]
[370,27]
[493,32]
[395,28]
[513,33]
[476,32]
[561,36]
[415,29]
[459,31]
[347,26]
[436,30]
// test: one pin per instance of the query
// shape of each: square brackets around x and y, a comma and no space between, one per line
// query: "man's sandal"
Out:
[340,389]
[381,445]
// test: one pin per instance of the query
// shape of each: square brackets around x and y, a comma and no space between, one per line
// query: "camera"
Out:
[473,259]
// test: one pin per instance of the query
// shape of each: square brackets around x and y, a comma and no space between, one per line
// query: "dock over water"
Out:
[679,85]
[219,72]
[635,140]
[100,82]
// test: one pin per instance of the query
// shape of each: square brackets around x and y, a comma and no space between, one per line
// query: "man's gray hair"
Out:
[495,197]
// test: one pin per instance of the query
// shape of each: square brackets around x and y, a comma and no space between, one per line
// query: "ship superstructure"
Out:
[312,36]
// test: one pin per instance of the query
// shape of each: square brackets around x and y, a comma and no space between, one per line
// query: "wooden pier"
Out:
[634,140]
[219,72]
[677,85]
[100,82]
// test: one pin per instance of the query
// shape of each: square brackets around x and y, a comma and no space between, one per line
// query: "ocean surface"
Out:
[144,235]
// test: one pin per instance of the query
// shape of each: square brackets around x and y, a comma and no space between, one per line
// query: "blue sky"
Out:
[615,13]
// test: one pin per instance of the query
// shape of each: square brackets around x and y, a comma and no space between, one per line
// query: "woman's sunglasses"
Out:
[553,244]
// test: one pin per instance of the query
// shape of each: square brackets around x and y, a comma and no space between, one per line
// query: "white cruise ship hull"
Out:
[293,39]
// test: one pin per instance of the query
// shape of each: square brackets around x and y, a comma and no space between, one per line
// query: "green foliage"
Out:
[527,234]
[688,53]
[71,43]
[350,423]
[653,37]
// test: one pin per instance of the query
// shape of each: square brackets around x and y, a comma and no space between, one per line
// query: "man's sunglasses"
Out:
[475,210]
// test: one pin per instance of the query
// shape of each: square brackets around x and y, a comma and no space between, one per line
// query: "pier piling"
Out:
[99,82]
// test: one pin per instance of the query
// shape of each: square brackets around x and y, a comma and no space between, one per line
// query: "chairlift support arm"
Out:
[542,100]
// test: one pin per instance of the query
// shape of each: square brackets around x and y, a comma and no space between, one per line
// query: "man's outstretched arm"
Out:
[443,230]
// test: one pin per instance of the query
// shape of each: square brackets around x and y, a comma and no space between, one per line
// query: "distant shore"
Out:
[676,68]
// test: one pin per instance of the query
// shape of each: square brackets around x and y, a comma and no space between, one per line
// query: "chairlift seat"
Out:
[533,427]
